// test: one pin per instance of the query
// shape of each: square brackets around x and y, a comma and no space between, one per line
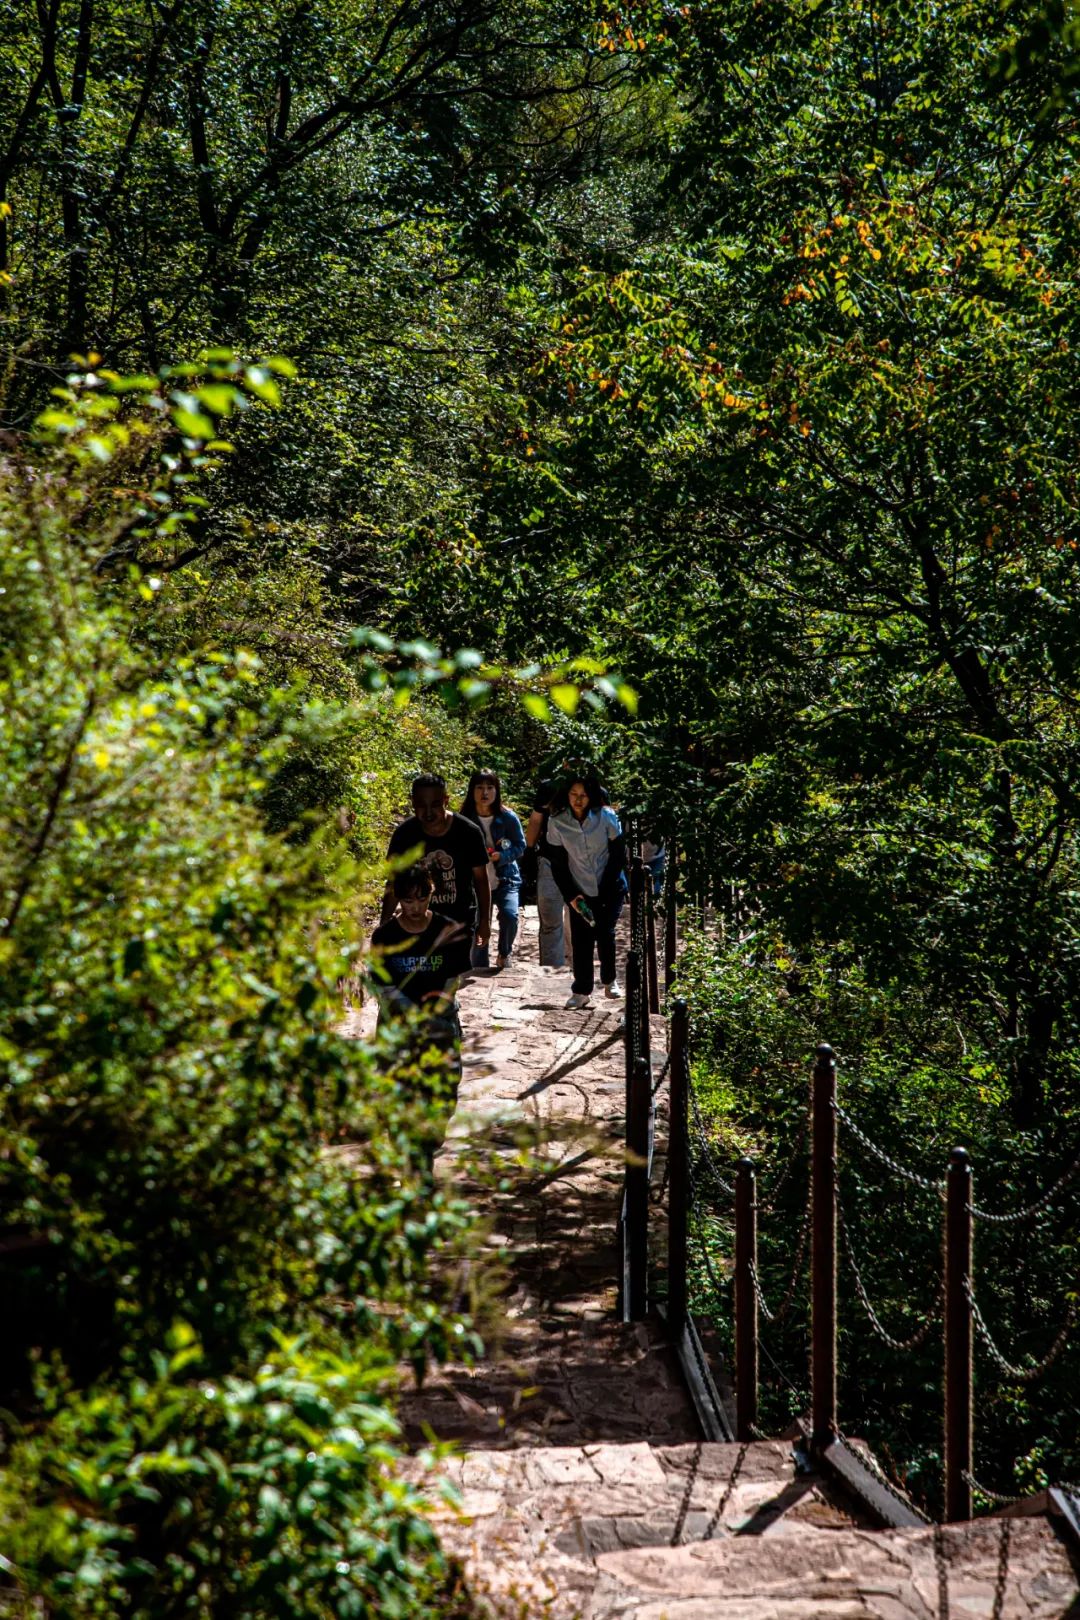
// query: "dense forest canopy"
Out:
[729,347]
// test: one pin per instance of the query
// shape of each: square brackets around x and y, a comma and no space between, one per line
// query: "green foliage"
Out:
[186,1135]
[729,346]
[265,1495]
[918,1084]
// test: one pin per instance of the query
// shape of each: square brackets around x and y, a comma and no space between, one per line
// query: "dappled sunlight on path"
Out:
[584,1491]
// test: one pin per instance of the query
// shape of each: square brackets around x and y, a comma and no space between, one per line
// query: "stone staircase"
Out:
[579,1489]
[587,1532]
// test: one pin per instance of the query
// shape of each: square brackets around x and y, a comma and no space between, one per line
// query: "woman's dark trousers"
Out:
[583,941]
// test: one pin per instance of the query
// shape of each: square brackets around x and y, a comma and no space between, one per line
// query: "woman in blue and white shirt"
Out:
[588,859]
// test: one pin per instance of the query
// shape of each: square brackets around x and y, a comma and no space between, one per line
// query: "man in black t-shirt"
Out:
[454,852]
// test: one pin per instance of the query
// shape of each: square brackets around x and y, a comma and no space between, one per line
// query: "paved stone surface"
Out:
[547,1085]
[579,1464]
[585,1533]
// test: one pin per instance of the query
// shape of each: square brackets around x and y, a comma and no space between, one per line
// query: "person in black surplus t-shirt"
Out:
[453,851]
[419,957]
[422,953]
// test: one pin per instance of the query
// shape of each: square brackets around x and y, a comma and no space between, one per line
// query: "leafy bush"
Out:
[360,749]
[268,1495]
[185,1136]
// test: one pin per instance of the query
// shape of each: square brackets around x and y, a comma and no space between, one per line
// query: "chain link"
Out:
[684,1505]
[886,1159]
[763,1306]
[698,1126]
[784,1306]
[718,1286]
[941,1565]
[710,1528]
[994,1497]
[662,1076]
[1003,1571]
[1032,1210]
[688,1493]
[920,1334]
[1024,1375]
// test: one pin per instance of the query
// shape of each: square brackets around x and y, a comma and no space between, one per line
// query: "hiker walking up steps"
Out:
[505,843]
[453,851]
[418,957]
[588,859]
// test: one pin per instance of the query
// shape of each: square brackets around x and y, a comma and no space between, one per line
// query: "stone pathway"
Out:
[578,1462]
[552,1082]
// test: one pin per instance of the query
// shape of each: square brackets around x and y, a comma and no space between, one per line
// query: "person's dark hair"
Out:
[427,779]
[597,795]
[468,803]
[413,881]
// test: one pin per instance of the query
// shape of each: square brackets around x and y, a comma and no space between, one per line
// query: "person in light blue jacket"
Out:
[505,842]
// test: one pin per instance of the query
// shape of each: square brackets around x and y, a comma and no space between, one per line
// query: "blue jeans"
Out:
[507,903]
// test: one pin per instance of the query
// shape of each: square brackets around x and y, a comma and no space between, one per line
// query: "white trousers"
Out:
[550,906]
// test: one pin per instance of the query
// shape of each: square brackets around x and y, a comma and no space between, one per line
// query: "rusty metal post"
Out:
[632,1025]
[746,1309]
[823,1249]
[678,1166]
[639,945]
[637,1192]
[959,1337]
[671,918]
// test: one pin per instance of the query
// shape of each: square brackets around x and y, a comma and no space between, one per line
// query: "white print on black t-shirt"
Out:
[440,863]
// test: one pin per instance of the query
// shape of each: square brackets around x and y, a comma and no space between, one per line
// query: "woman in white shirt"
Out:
[588,859]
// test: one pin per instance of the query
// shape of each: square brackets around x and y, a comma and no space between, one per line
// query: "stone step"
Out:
[843,1575]
[569,1374]
[547,1520]
[585,1533]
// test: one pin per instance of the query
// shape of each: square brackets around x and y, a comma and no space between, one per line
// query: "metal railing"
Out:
[701,1197]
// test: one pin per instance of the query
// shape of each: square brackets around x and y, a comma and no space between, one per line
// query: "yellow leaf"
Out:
[101,760]
[537,705]
[567,696]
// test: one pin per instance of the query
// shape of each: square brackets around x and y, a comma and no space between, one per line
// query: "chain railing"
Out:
[1014,1373]
[705,1205]
[922,1332]
[1018,1216]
